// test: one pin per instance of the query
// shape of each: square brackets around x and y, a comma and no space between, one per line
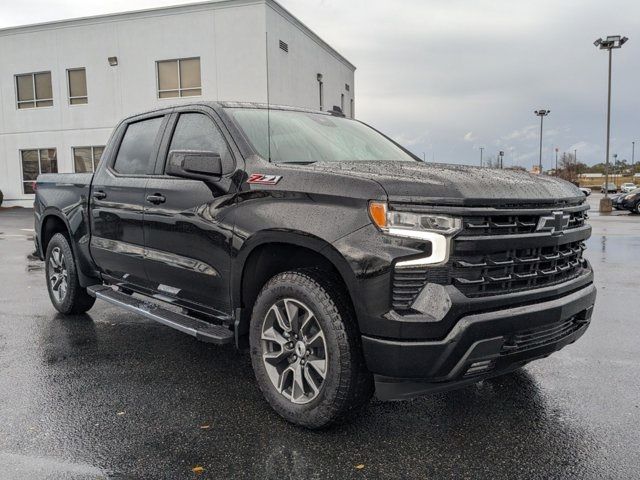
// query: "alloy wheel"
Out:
[58,276]
[294,350]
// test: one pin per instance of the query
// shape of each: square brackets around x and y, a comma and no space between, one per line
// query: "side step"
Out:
[205,331]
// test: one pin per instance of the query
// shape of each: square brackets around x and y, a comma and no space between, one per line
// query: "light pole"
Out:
[611,42]
[481,150]
[633,157]
[541,113]
[575,163]
[556,161]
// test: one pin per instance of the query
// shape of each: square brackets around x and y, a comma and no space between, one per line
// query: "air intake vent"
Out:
[346,87]
[284,46]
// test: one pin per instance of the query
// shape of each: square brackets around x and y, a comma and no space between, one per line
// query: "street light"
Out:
[611,42]
[541,113]
[481,150]
[556,171]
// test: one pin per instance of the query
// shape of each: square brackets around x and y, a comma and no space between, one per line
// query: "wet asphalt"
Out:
[111,395]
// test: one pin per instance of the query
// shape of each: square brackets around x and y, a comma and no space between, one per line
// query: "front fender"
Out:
[288,237]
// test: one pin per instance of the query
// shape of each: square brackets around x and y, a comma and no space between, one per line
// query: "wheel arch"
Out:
[269,253]
[53,222]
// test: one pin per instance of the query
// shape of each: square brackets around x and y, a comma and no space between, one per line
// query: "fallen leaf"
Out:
[205,427]
[360,466]
[120,413]
[197,469]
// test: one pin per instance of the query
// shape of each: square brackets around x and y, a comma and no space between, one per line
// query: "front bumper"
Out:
[479,346]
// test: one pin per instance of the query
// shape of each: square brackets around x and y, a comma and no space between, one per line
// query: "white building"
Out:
[64,85]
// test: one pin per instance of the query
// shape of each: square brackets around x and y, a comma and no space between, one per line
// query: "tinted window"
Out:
[292,136]
[196,131]
[135,155]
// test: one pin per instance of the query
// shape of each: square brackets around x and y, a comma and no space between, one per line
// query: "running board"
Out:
[204,331]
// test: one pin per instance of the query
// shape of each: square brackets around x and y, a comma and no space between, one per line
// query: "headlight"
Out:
[412,222]
[434,228]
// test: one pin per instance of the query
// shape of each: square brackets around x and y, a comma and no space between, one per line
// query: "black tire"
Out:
[638,208]
[347,384]
[73,299]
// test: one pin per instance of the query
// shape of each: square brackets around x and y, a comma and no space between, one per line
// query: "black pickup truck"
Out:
[342,261]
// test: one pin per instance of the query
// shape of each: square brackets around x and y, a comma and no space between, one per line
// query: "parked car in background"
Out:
[612,188]
[631,201]
[628,187]
[585,190]
[616,201]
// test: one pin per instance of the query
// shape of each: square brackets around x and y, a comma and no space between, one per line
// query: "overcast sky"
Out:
[445,77]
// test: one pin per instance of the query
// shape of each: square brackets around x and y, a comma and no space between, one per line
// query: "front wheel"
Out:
[305,349]
[67,296]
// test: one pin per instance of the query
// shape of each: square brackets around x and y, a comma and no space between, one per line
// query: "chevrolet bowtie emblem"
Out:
[554,223]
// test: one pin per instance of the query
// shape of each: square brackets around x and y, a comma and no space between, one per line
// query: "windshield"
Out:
[303,137]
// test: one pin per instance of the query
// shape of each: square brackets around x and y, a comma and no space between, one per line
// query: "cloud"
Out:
[451,66]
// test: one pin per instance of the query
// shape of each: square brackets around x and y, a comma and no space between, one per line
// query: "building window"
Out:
[346,87]
[179,78]
[34,90]
[342,102]
[77,78]
[351,107]
[86,159]
[35,162]
[321,94]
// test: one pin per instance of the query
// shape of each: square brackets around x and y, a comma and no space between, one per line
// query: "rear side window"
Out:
[135,156]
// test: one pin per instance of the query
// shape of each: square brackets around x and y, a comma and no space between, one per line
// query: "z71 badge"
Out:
[262,179]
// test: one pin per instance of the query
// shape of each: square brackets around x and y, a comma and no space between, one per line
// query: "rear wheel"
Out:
[305,349]
[638,208]
[67,296]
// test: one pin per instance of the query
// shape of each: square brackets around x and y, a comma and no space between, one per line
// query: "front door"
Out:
[187,238]
[118,200]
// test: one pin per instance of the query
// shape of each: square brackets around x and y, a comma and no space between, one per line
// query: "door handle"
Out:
[156,199]
[99,195]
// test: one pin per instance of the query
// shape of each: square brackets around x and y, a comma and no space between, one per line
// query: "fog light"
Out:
[479,367]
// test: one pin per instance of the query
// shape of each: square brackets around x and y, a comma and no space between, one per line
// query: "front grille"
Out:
[478,266]
[541,336]
[511,224]
[516,270]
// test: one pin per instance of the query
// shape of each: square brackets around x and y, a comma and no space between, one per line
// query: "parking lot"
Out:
[111,395]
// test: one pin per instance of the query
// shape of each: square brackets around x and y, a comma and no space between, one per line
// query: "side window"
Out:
[196,131]
[135,156]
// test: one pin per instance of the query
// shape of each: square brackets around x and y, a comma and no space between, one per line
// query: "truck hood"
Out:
[443,184]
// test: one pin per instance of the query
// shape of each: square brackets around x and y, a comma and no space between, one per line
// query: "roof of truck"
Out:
[229,104]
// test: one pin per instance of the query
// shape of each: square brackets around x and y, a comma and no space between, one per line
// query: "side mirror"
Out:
[194,164]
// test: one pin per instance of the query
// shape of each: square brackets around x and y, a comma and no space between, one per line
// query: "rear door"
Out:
[188,240]
[118,199]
